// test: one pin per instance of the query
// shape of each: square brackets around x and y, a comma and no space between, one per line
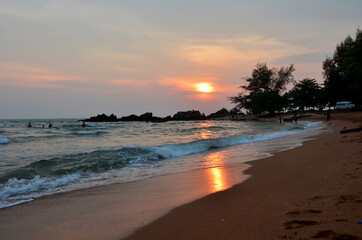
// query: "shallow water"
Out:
[38,161]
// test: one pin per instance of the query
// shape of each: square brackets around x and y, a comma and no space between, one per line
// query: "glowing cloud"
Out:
[26,76]
[190,84]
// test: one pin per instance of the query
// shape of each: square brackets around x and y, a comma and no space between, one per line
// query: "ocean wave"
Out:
[105,159]
[96,132]
[32,138]
[65,170]
[16,186]
[4,140]
[14,202]
[91,125]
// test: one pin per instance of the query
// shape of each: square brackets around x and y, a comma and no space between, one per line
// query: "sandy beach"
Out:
[313,191]
[310,192]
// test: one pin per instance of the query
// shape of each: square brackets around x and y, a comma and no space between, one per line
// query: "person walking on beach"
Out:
[328,115]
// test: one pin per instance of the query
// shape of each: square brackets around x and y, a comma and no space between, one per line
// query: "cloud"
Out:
[189,85]
[230,52]
[136,83]
[312,57]
[28,76]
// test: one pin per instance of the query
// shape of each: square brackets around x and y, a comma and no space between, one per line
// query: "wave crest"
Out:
[4,140]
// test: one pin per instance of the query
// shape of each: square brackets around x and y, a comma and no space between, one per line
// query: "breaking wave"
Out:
[4,140]
[67,169]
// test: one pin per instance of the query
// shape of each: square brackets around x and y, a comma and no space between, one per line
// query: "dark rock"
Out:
[146,117]
[188,115]
[219,114]
[102,118]
[132,117]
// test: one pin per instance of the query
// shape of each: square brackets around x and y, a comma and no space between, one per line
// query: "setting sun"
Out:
[204,87]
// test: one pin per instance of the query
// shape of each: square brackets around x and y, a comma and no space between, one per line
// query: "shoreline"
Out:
[68,215]
[99,212]
[317,195]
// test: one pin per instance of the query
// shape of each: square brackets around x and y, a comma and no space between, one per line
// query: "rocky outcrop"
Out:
[219,114]
[188,115]
[102,118]
[146,117]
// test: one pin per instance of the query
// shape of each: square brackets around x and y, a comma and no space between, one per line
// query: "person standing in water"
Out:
[295,118]
[29,125]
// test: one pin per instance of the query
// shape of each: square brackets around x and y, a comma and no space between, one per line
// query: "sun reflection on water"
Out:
[205,133]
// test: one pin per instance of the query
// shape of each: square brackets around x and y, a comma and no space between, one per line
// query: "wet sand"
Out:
[313,190]
[310,192]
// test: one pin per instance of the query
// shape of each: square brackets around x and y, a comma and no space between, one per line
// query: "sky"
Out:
[62,59]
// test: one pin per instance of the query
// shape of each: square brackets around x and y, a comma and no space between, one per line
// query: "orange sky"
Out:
[76,58]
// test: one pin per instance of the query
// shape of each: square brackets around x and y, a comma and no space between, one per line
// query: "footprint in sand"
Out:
[299,223]
[312,211]
[330,234]
[315,198]
[347,198]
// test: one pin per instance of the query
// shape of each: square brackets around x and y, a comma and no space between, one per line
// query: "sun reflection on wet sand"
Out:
[214,160]
[218,179]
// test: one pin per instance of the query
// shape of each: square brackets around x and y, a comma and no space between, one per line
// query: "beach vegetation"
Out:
[305,94]
[343,71]
[263,90]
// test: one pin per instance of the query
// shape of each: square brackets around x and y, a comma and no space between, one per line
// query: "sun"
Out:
[204,87]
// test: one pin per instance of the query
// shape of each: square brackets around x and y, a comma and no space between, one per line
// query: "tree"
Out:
[263,89]
[234,112]
[270,101]
[343,71]
[306,93]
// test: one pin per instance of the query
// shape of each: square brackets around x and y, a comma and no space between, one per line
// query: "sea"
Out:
[41,161]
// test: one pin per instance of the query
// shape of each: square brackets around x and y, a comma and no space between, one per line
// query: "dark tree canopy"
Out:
[263,88]
[306,93]
[343,82]
[343,71]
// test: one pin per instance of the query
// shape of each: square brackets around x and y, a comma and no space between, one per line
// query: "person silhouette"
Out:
[295,118]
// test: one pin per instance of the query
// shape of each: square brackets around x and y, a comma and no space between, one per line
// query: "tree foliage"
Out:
[306,93]
[263,89]
[343,71]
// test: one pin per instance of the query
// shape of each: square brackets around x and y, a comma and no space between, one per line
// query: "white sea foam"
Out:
[25,186]
[90,132]
[4,140]
[5,204]
[184,149]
